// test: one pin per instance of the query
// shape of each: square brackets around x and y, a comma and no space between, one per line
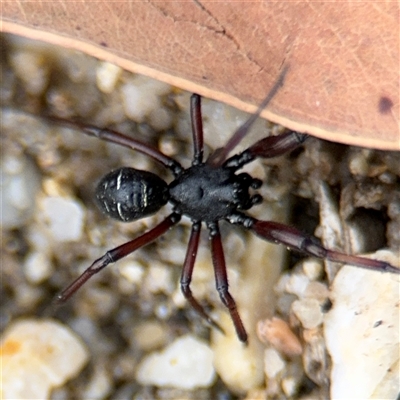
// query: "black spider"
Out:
[207,192]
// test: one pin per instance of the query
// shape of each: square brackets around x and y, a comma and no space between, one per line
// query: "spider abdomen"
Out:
[127,194]
[205,193]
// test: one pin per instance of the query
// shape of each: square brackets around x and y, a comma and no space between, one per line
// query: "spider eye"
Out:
[127,194]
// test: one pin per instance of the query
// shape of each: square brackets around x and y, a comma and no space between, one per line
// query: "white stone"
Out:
[187,363]
[136,105]
[159,279]
[64,218]
[289,386]
[37,267]
[313,268]
[131,270]
[309,312]
[273,363]
[140,97]
[36,356]
[359,163]
[18,186]
[32,70]
[317,291]
[362,332]
[100,384]
[107,76]
[149,335]
[297,284]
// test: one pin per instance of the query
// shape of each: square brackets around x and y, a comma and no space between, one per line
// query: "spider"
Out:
[208,191]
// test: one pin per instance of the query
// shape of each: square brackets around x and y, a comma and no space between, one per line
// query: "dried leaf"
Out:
[343,83]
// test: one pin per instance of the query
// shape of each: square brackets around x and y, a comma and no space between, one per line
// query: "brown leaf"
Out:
[343,82]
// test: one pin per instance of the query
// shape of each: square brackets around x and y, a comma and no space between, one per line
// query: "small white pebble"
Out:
[13,165]
[168,145]
[141,96]
[273,363]
[31,69]
[37,267]
[149,335]
[316,290]
[187,363]
[159,279]
[289,386]
[107,76]
[18,187]
[36,356]
[297,284]
[309,312]
[313,268]
[174,253]
[136,105]
[284,303]
[283,282]
[358,164]
[100,384]
[131,270]
[63,217]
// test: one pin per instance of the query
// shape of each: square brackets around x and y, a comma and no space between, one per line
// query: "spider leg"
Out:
[187,272]
[197,128]
[221,280]
[297,240]
[219,156]
[268,147]
[112,136]
[116,254]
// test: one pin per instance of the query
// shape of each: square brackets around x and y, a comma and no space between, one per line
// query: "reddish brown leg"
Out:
[297,240]
[197,128]
[221,280]
[112,136]
[271,146]
[116,254]
[219,156]
[187,272]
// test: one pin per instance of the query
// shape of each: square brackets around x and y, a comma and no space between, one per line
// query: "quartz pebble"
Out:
[309,312]
[107,76]
[38,355]
[37,267]
[273,363]
[64,218]
[362,332]
[32,70]
[100,384]
[149,335]
[18,186]
[136,106]
[187,363]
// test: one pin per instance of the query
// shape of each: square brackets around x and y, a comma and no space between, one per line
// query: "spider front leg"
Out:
[221,280]
[197,128]
[271,146]
[219,156]
[116,254]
